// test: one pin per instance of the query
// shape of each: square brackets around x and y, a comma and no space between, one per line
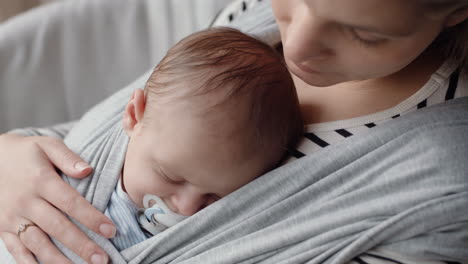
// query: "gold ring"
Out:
[22,228]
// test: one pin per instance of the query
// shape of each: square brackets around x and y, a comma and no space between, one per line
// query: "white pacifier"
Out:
[156,216]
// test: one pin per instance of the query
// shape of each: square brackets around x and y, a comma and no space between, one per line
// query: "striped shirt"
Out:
[122,211]
[445,84]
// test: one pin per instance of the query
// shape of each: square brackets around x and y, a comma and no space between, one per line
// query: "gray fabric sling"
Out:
[403,187]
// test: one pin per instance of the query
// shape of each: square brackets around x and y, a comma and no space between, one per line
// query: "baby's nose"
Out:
[188,203]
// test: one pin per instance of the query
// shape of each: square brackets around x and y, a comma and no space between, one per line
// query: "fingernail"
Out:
[98,259]
[81,166]
[107,230]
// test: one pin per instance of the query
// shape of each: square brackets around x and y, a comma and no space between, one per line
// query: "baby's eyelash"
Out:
[215,196]
[166,178]
[169,179]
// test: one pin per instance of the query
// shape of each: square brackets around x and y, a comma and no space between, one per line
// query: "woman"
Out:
[352,72]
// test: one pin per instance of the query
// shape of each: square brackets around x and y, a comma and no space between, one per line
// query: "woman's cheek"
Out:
[394,62]
[373,62]
[400,53]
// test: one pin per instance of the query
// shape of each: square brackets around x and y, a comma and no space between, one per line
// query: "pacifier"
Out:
[156,216]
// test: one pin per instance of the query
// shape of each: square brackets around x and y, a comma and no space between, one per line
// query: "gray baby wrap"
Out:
[402,187]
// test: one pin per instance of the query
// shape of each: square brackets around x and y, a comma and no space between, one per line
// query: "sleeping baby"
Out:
[218,111]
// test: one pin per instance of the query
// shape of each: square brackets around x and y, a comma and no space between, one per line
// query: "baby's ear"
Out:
[133,114]
[457,17]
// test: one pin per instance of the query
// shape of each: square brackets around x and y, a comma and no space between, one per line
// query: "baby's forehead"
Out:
[205,92]
[216,111]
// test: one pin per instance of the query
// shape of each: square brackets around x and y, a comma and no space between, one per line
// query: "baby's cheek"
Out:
[136,187]
[149,185]
[135,194]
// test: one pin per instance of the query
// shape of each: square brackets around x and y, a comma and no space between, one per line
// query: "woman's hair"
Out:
[453,41]
[240,71]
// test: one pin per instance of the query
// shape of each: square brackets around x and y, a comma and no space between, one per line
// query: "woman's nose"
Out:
[188,202]
[305,40]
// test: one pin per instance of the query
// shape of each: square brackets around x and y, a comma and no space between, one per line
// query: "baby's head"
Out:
[218,111]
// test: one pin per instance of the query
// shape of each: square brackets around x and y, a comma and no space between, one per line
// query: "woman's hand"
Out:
[31,192]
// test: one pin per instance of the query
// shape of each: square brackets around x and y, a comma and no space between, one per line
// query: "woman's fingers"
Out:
[25,176]
[40,245]
[68,200]
[18,251]
[58,226]
[63,158]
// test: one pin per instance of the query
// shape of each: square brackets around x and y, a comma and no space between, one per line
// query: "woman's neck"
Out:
[359,98]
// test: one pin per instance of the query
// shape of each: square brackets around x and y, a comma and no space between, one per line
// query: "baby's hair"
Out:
[453,41]
[226,61]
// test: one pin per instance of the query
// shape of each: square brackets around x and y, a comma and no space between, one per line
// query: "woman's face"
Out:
[327,42]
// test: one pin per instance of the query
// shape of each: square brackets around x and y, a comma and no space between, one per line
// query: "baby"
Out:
[218,111]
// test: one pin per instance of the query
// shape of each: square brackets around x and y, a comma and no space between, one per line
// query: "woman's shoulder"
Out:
[234,11]
[253,17]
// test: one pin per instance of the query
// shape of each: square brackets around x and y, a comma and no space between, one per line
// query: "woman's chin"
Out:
[315,78]
[318,79]
[321,82]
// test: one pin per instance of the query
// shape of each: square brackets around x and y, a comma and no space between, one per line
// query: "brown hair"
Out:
[453,41]
[241,67]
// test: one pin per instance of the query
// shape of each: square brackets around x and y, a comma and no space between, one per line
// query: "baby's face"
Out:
[187,160]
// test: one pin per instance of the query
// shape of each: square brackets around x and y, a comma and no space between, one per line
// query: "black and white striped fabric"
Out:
[445,84]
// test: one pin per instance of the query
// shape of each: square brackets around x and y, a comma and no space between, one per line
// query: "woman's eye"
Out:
[367,38]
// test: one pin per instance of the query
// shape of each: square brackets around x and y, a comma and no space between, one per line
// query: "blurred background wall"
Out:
[59,59]
[9,8]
